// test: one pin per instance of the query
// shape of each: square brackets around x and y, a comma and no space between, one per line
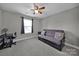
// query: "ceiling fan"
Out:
[37,9]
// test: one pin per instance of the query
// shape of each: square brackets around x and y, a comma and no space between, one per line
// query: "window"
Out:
[27,26]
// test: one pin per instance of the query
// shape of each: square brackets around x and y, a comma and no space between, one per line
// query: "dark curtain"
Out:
[32,25]
[22,25]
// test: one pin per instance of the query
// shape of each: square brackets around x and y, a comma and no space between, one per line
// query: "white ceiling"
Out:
[24,8]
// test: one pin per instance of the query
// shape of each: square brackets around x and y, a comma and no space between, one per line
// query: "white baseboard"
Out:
[23,38]
[74,46]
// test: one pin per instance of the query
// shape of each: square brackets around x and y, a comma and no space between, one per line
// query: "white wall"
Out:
[68,21]
[0,20]
[12,21]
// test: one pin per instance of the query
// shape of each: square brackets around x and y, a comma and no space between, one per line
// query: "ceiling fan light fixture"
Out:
[36,11]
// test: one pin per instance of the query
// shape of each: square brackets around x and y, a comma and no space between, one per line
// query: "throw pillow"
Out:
[58,35]
[43,32]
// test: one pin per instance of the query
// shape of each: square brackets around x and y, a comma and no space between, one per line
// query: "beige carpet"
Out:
[31,47]
[70,50]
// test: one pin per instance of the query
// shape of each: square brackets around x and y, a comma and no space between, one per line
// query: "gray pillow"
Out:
[58,35]
[43,33]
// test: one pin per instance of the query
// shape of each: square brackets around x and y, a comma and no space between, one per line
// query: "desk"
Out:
[6,40]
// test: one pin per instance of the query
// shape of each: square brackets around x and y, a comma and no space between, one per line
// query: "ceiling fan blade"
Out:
[40,12]
[41,8]
[35,7]
[33,12]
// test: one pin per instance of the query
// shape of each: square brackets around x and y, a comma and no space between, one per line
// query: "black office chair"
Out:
[13,37]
